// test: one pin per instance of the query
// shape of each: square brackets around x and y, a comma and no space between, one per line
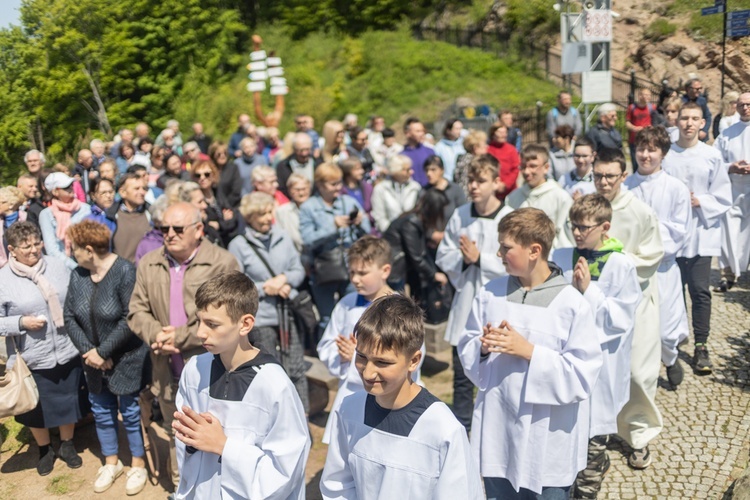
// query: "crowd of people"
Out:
[193,275]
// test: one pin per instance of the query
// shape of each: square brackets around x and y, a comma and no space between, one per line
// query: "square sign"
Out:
[598,26]
[596,87]
[576,57]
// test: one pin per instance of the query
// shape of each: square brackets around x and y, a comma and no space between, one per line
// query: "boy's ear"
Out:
[247,321]
[386,270]
[535,251]
[606,227]
[416,358]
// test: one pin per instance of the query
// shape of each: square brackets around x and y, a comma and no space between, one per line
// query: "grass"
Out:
[659,30]
[704,27]
[13,436]
[63,484]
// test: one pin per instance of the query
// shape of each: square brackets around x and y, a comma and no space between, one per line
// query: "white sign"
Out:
[571,27]
[576,57]
[597,26]
[596,87]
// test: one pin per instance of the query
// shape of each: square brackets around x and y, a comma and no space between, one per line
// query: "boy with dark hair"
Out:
[240,427]
[607,279]
[580,180]
[530,345]
[396,440]
[369,269]
[467,256]
[635,224]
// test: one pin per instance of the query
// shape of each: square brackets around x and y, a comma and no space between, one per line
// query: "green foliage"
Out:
[659,30]
[532,17]
[704,27]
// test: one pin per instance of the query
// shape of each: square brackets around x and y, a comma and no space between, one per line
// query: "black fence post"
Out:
[631,95]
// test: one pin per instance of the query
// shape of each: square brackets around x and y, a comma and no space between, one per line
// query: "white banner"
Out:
[596,87]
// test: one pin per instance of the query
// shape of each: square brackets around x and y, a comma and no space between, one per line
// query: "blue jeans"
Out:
[104,407]
[498,488]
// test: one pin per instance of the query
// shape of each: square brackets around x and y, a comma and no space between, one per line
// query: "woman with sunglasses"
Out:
[219,213]
[230,182]
[64,211]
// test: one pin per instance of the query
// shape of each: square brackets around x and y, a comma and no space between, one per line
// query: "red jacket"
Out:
[507,155]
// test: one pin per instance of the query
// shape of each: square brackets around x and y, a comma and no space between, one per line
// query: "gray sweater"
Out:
[44,348]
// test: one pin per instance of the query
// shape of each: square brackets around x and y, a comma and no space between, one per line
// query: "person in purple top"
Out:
[415,150]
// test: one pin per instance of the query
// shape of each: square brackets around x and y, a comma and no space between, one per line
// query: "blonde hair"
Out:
[474,139]
[726,103]
[399,163]
[331,129]
[13,196]
[185,190]
[327,172]
[261,173]
[255,203]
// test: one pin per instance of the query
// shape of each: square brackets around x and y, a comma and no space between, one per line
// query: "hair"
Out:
[562,93]
[185,191]
[127,145]
[449,125]
[534,152]
[565,131]
[434,161]
[233,290]
[328,172]
[331,129]
[398,163]
[255,203]
[606,108]
[591,206]
[135,167]
[261,173]
[91,233]
[654,137]
[348,165]
[158,208]
[727,101]
[370,250]
[42,159]
[143,141]
[388,133]
[473,139]
[207,163]
[296,178]
[21,232]
[527,226]
[409,121]
[61,167]
[110,163]
[350,119]
[96,142]
[191,144]
[583,142]
[125,178]
[12,195]
[690,105]
[393,322]
[95,183]
[217,147]
[431,209]
[173,123]
[610,155]
[354,132]
[494,128]
[484,164]
[690,83]
[248,140]
[673,102]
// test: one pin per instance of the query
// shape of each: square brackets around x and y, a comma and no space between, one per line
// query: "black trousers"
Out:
[696,274]
[463,393]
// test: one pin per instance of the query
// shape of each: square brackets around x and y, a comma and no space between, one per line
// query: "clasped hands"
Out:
[506,340]
[94,360]
[277,286]
[202,431]
[468,249]
[164,343]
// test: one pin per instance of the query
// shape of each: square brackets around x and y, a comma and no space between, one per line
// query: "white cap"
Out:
[57,180]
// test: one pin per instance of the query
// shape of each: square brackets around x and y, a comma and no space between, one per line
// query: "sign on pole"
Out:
[716,9]
[596,87]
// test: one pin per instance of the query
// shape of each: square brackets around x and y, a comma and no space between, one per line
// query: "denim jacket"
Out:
[318,229]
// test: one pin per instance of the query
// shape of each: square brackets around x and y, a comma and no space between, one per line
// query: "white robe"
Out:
[670,200]
[531,418]
[343,318]
[635,224]
[734,145]
[702,170]
[468,281]
[433,462]
[613,298]
[267,438]
[551,199]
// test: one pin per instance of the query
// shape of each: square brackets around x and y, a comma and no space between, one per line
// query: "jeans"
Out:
[325,297]
[463,393]
[498,488]
[696,274]
[104,406]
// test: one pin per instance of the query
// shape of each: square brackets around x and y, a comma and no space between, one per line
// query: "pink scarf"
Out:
[36,274]
[62,213]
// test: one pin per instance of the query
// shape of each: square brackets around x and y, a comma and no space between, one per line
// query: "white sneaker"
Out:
[106,476]
[137,477]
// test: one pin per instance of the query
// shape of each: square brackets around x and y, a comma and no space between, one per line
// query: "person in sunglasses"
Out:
[162,307]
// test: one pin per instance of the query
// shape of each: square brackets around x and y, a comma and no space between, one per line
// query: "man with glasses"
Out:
[162,307]
[130,215]
[635,224]
[694,93]
[734,146]
[301,161]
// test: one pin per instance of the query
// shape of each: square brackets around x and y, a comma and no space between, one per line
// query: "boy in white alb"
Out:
[532,348]
[608,281]
[734,146]
[538,192]
[467,256]
[635,224]
[702,170]
[670,200]
[580,180]
[240,428]
[396,440]
[369,268]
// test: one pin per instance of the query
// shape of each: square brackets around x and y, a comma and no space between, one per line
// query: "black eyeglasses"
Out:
[201,175]
[582,228]
[609,177]
[177,229]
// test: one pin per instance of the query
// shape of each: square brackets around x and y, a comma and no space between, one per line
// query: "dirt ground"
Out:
[18,454]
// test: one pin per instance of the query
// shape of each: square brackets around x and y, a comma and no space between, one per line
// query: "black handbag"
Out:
[330,266]
[437,303]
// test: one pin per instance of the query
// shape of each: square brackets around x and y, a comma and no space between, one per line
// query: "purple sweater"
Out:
[151,241]
[418,155]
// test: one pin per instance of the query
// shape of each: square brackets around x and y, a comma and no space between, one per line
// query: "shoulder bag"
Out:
[18,391]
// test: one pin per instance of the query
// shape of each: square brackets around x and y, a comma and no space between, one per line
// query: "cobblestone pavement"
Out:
[704,445]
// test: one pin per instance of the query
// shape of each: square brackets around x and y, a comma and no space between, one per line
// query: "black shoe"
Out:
[724,286]
[156,415]
[701,362]
[675,373]
[46,463]
[69,455]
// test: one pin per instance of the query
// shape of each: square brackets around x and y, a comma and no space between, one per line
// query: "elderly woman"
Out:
[32,291]
[287,216]
[64,210]
[230,183]
[116,361]
[329,223]
[267,255]
[102,193]
[11,198]
[266,181]
[475,144]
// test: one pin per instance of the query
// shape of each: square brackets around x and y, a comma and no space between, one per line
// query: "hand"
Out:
[108,365]
[506,340]
[93,174]
[342,221]
[468,249]
[346,347]
[214,224]
[165,342]
[273,285]
[93,359]
[576,194]
[33,322]
[203,432]
[227,214]
[358,219]
[437,237]
[581,275]
[285,290]
[441,278]
[694,202]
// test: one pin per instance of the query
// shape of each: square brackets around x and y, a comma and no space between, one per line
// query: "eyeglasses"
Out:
[188,151]
[743,104]
[696,88]
[31,246]
[202,175]
[177,229]
[609,177]
[582,228]
[580,156]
